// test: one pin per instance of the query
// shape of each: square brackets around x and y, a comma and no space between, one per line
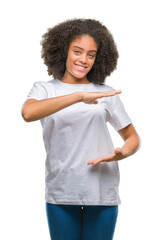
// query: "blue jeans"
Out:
[76,222]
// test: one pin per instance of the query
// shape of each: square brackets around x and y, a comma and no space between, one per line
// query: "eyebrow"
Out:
[83,49]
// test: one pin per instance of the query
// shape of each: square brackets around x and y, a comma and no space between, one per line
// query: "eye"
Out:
[77,52]
[91,55]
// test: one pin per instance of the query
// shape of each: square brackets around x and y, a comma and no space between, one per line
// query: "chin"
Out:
[77,75]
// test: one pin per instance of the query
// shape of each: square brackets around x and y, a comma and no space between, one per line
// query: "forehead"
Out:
[85,41]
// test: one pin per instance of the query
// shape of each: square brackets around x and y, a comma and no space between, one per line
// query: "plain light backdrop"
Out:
[136,27]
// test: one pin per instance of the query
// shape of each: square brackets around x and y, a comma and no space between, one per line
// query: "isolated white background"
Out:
[136,26]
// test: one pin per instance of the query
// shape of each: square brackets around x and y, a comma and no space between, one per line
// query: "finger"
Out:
[92,161]
[112,93]
[118,91]
[98,160]
[106,158]
[108,93]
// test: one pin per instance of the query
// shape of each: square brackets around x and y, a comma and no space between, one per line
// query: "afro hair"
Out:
[55,45]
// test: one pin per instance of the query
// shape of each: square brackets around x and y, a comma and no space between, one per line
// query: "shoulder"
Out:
[42,88]
[45,84]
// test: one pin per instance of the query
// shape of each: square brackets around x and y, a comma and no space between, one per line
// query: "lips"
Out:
[80,67]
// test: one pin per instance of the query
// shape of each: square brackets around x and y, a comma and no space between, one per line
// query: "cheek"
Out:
[92,63]
[70,61]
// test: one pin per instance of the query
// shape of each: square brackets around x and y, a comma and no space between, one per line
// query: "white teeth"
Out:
[80,67]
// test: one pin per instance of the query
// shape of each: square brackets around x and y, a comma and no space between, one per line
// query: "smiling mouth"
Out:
[79,67]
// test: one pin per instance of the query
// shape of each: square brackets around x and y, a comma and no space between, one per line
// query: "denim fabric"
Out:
[76,222]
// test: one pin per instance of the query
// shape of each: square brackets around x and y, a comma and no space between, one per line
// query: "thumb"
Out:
[117,150]
[95,102]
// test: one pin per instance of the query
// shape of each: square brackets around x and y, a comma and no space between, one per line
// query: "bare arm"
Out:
[131,139]
[33,109]
[131,145]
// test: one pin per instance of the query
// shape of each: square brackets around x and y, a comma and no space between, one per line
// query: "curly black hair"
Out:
[55,45]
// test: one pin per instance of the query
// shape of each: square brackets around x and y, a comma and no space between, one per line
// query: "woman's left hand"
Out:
[131,145]
[115,156]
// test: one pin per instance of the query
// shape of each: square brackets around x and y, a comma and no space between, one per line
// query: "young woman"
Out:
[82,175]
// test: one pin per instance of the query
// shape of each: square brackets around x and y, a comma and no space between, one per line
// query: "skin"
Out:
[82,53]
[131,145]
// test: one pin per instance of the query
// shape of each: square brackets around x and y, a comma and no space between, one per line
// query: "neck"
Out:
[69,78]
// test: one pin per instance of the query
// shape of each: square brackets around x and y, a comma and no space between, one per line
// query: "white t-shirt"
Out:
[75,135]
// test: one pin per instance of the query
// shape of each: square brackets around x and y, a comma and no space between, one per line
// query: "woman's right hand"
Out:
[34,109]
[91,97]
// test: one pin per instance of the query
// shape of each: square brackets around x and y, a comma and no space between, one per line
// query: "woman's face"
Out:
[81,56]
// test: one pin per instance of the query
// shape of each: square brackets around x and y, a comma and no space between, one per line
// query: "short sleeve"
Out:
[118,116]
[38,91]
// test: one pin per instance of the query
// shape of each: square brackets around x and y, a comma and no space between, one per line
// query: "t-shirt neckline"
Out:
[75,85]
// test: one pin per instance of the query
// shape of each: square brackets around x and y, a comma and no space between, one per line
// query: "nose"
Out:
[83,58]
